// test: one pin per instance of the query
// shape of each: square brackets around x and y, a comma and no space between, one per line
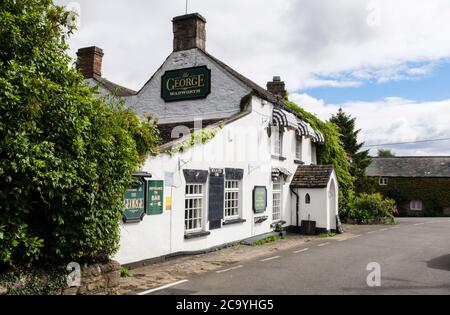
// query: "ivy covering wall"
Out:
[433,192]
[332,152]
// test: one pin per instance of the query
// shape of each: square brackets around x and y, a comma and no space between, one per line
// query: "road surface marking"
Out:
[354,236]
[229,269]
[419,224]
[323,244]
[382,230]
[342,239]
[163,287]
[371,232]
[270,258]
[301,250]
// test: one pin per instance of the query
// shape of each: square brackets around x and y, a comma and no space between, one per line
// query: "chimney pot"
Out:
[189,32]
[90,62]
[277,87]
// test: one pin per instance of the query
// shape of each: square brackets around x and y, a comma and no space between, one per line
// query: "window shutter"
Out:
[195,176]
[216,199]
[234,174]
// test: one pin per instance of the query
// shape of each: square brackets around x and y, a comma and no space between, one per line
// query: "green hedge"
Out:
[66,157]
[371,208]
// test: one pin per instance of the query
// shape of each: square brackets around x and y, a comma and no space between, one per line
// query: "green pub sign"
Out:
[155,197]
[259,199]
[186,84]
[134,204]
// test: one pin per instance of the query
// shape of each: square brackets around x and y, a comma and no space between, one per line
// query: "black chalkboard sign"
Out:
[216,198]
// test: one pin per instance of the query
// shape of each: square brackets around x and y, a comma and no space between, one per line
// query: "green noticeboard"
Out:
[134,205]
[155,197]
[186,84]
[259,199]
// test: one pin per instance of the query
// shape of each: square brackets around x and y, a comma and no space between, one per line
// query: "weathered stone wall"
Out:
[98,279]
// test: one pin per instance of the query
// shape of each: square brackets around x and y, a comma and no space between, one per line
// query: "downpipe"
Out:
[297,204]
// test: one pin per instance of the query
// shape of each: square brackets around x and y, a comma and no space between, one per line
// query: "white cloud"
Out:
[304,41]
[393,120]
[309,43]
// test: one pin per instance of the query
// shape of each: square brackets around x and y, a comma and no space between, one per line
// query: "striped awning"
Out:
[282,118]
[279,171]
[320,139]
[305,129]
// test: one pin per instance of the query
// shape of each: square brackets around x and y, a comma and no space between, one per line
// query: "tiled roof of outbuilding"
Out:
[312,176]
[410,166]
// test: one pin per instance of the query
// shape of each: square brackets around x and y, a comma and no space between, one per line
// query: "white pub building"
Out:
[235,165]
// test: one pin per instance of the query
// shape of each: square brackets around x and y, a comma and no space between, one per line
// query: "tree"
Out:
[66,157]
[359,159]
[385,153]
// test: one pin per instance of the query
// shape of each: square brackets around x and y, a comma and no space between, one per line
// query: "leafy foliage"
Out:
[201,136]
[269,239]
[66,157]
[433,192]
[25,281]
[371,208]
[385,153]
[359,159]
[332,152]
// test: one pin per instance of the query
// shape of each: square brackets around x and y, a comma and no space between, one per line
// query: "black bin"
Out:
[308,228]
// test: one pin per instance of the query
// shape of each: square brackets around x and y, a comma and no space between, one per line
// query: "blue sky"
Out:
[385,62]
[433,86]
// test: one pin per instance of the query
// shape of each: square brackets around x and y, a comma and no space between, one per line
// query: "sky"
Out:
[387,63]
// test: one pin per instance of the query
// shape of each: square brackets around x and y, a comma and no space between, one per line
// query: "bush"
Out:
[66,156]
[370,209]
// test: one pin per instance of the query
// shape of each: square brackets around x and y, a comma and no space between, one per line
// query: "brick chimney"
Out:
[189,32]
[277,87]
[90,62]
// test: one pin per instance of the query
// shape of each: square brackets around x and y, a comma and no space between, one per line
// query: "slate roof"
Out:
[114,88]
[312,176]
[410,166]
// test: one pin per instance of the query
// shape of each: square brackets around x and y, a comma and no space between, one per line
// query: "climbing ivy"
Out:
[331,152]
[201,136]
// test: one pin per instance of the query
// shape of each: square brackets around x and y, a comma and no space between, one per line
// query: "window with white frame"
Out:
[193,207]
[276,200]
[232,194]
[298,148]
[383,181]
[277,142]
[415,205]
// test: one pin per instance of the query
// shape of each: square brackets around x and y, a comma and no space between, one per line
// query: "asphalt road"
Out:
[414,258]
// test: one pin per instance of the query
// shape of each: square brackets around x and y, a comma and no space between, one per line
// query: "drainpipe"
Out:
[297,203]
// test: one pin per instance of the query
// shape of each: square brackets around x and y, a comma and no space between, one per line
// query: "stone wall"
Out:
[98,279]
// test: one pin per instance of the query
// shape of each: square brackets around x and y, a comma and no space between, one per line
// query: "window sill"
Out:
[189,236]
[278,157]
[259,220]
[299,162]
[234,221]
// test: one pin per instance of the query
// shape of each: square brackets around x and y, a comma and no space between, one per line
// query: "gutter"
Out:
[297,204]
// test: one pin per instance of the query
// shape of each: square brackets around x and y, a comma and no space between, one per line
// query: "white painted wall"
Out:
[323,207]
[242,144]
